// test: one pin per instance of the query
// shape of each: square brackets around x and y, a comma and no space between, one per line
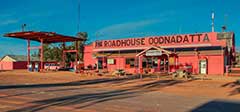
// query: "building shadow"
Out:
[84,100]
[235,91]
[77,84]
[159,84]
[81,101]
[218,106]
[74,83]
[235,85]
[30,93]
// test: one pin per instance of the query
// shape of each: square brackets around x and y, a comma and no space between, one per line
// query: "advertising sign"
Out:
[110,61]
[155,40]
[153,53]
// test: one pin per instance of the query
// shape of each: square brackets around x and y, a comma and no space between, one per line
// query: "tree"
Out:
[84,36]
[35,54]
[54,53]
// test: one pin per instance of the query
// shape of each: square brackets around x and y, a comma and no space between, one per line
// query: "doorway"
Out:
[100,64]
[155,64]
[203,66]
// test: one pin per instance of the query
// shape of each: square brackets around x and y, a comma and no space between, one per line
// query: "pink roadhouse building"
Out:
[202,53]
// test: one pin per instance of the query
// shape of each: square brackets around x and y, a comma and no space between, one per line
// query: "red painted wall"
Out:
[189,60]
[13,65]
[20,65]
[88,56]
[6,65]
[114,66]
[120,64]
[215,63]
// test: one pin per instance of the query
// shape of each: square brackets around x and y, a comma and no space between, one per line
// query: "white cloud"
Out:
[8,22]
[7,19]
[123,28]
[12,18]
[11,49]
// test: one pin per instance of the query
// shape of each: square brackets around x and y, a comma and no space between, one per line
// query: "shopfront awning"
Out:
[47,37]
[156,48]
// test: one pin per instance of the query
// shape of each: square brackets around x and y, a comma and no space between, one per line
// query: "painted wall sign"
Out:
[110,61]
[171,61]
[153,53]
[157,40]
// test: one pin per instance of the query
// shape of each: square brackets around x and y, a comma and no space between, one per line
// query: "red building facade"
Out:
[202,53]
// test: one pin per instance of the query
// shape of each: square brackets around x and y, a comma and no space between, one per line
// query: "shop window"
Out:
[130,62]
[144,63]
[167,64]
[162,65]
[149,63]
[155,62]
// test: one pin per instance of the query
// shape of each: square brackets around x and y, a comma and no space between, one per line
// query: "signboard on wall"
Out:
[153,53]
[171,61]
[155,40]
[110,61]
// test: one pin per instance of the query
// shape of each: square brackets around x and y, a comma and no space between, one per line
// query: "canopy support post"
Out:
[41,55]
[164,65]
[28,52]
[63,55]
[76,58]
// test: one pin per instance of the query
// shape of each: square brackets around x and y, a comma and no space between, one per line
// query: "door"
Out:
[100,64]
[203,67]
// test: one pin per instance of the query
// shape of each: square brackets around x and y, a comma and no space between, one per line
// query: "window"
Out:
[149,63]
[144,63]
[130,62]
[155,62]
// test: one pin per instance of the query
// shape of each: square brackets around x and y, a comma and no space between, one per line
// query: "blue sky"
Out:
[111,19]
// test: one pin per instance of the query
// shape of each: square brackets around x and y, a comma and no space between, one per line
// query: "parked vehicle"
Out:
[51,66]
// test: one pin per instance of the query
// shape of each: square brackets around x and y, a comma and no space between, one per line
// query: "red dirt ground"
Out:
[25,91]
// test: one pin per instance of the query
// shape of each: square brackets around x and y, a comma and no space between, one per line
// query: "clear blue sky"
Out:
[111,19]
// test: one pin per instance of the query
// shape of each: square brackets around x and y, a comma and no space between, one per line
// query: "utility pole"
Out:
[23,27]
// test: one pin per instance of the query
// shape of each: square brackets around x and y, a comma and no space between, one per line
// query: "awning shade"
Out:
[48,37]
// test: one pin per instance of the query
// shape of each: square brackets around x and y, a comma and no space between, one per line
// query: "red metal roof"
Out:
[48,37]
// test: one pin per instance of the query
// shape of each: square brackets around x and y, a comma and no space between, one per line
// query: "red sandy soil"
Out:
[210,87]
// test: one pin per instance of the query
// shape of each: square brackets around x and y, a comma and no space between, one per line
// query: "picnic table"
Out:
[119,72]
